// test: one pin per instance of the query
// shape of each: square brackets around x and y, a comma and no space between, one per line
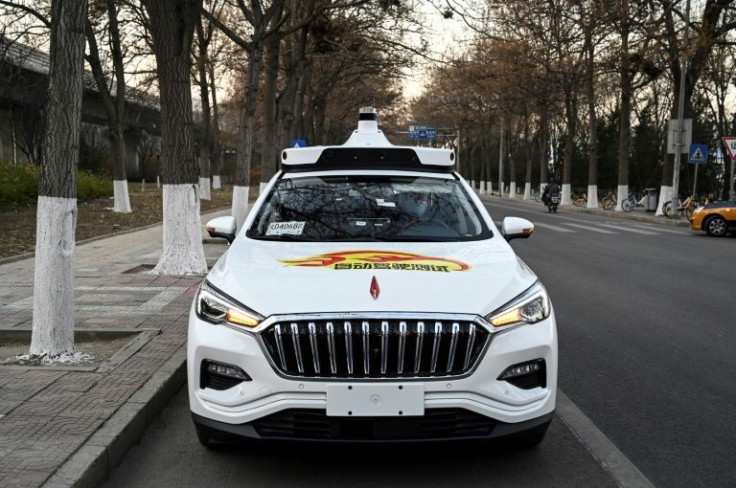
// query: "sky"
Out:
[445,36]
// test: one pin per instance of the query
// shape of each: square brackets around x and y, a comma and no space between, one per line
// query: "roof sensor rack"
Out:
[367,148]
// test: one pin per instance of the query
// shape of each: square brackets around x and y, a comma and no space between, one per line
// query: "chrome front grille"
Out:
[374,348]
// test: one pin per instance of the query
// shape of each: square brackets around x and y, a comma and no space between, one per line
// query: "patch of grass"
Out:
[19,185]
[90,185]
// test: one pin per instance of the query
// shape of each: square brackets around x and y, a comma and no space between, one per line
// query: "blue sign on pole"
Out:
[698,153]
[422,132]
[298,143]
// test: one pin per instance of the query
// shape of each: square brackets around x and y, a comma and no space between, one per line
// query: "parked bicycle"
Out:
[685,207]
[580,201]
[609,201]
[632,201]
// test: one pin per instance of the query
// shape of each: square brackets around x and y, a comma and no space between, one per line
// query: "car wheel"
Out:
[715,226]
[531,437]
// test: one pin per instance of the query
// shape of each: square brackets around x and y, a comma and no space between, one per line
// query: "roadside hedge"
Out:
[19,184]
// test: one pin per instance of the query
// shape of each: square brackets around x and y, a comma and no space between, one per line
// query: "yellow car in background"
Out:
[716,219]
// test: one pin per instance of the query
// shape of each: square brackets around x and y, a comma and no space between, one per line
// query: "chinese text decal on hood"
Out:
[389,260]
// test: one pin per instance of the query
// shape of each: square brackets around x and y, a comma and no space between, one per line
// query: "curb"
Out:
[99,455]
[596,211]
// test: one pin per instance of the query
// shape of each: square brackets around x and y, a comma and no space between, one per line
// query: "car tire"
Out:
[531,437]
[715,226]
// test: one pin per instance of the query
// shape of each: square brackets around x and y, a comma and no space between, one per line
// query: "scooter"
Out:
[552,202]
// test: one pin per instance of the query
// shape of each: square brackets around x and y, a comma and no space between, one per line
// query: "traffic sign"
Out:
[730,143]
[687,135]
[422,132]
[698,153]
[298,143]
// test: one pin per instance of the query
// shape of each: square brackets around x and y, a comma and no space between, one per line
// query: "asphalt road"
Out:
[647,352]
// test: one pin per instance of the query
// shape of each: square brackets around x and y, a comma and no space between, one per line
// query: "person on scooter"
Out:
[552,189]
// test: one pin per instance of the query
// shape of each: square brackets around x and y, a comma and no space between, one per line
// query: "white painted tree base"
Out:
[488,188]
[542,186]
[262,188]
[183,253]
[205,193]
[512,189]
[121,196]
[239,208]
[665,195]
[53,284]
[566,192]
[472,184]
[622,194]
[527,191]
[482,188]
[216,182]
[592,196]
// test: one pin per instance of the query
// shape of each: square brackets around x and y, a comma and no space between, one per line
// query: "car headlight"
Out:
[215,307]
[529,307]
[698,210]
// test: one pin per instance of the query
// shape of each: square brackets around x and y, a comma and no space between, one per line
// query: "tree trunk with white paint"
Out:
[205,148]
[512,190]
[621,194]
[240,204]
[566,194]
[216,147]
[665,195]
[53,286]
[114,106]
[592,196]
[205,188]
[571,117]
[172,24]
[527,191]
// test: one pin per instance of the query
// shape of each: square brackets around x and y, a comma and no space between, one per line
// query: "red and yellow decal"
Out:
[388,260]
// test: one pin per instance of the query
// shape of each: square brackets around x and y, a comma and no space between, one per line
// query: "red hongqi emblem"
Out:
[375,290]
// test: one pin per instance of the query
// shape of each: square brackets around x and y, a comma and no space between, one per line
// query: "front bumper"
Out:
[237,409]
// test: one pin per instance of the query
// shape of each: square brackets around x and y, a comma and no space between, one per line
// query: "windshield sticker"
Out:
[285,228]
[388,260]
[383,203]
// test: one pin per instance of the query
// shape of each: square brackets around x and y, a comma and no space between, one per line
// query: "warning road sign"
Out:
[698,153]
[730,143]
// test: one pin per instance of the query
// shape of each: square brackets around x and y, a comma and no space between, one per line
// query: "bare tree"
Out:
[171,27]
[53,294]
[114,105]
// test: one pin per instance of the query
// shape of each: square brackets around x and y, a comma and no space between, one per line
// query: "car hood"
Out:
[274,277]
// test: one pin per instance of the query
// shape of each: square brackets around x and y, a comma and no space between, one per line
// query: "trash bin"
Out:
[650,202]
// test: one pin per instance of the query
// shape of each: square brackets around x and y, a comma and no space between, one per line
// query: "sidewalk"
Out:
[70,426]
[637,214]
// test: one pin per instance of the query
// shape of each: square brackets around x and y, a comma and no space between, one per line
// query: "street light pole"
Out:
[680,117]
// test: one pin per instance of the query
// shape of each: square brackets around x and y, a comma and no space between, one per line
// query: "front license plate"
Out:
[370,400]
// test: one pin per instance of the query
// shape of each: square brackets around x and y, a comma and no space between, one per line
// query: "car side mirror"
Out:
[514,228]
[224,227]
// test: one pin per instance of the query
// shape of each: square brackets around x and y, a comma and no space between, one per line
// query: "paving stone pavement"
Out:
[47,415]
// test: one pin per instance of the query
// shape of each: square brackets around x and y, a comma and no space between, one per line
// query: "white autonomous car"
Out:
[370,297]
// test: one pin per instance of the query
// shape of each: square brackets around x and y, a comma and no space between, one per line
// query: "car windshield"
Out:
[368,208]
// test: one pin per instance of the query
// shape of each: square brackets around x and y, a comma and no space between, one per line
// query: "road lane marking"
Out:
[658,229]
[553,227]
[589,227]
[628,229]
[611,458]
